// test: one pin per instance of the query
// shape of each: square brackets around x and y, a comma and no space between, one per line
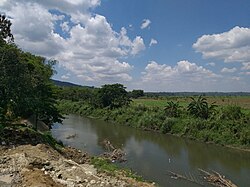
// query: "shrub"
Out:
[172,109]
[200,108]
[167,125]
[231,112]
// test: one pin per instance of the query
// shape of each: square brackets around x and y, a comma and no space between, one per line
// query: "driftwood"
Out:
[191,178]
[71,136]
[112,153]
[217,179]
[107,145]
[116,155]
[214,178]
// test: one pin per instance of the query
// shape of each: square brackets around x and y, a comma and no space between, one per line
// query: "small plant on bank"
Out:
[112,169]
[231,112]
[200,107]
[172,109]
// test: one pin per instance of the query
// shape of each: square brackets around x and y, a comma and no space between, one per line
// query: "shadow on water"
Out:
[152,155]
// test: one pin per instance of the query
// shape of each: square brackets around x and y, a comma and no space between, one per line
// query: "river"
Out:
[152,155]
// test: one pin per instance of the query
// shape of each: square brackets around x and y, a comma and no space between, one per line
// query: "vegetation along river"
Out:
[152,155]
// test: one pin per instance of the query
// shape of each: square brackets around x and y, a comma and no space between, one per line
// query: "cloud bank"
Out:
[83,42]
[231,46]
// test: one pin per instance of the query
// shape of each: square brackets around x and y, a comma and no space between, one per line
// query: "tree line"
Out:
[109,95]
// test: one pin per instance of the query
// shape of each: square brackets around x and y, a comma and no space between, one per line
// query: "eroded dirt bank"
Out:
[40,165]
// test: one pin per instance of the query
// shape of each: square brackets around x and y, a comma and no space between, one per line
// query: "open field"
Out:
[242,101]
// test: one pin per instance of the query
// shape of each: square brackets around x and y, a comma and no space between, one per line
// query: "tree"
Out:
[172,109]
[76,93]
[200,108]
[136,93]
[12,80]
[25,85]
[5,31]
[113,96]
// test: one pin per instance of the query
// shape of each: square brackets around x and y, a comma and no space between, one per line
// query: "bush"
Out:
[167,125]
[231,112]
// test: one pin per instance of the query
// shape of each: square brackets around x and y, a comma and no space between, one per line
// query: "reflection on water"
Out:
[152,155]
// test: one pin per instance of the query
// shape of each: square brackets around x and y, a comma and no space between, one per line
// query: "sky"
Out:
[154,45]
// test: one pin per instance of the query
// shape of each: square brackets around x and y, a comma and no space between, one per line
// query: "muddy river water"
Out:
[153,155]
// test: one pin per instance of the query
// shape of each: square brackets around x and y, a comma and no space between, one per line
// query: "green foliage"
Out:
[5,31]
[112,169]
[231,112]
[76,94]
[172,109]
[48,138]
[25,86]
[168,125]
[112,96]
[200,108]
[136,94]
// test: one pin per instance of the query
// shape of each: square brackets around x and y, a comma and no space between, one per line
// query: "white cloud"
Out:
[153,42]
[184,72]
[211,64]
[137,45]
[187,76]
[246,66]
[231,46]
[93,50]
[2,2]
[236,78]
[145,23]
[65,77]
[65,26]
[228,70]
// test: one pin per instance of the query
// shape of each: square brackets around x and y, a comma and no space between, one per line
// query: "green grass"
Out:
[106,166]
[242,101]
[150,102]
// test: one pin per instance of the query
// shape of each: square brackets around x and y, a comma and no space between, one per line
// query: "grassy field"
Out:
[242,101]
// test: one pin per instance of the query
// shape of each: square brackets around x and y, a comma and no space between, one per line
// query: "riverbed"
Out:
[153,155]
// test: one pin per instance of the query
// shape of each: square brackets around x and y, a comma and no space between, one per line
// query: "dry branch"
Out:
[216,179]
[179,176]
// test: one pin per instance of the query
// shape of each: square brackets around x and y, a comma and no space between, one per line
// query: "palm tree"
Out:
[200,107]
[172,109]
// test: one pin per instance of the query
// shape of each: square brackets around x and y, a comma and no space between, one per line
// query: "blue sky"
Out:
[155,45]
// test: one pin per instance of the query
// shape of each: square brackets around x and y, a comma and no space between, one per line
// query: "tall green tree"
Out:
[113,96]
[25,85]
[136,93]
[5,30]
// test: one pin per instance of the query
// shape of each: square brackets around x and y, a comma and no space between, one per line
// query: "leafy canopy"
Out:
[113,96]
[25,85]
[5,31]
[200,108]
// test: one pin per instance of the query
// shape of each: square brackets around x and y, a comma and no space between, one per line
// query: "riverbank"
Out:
[30,158]
[227,127]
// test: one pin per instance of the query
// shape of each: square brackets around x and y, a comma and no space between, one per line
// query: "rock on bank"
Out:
[42,166]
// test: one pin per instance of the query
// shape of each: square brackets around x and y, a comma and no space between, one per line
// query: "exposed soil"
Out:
[39,165]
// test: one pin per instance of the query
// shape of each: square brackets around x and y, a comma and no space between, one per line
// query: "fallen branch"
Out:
[179,176]
[113,154]
[216,179]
